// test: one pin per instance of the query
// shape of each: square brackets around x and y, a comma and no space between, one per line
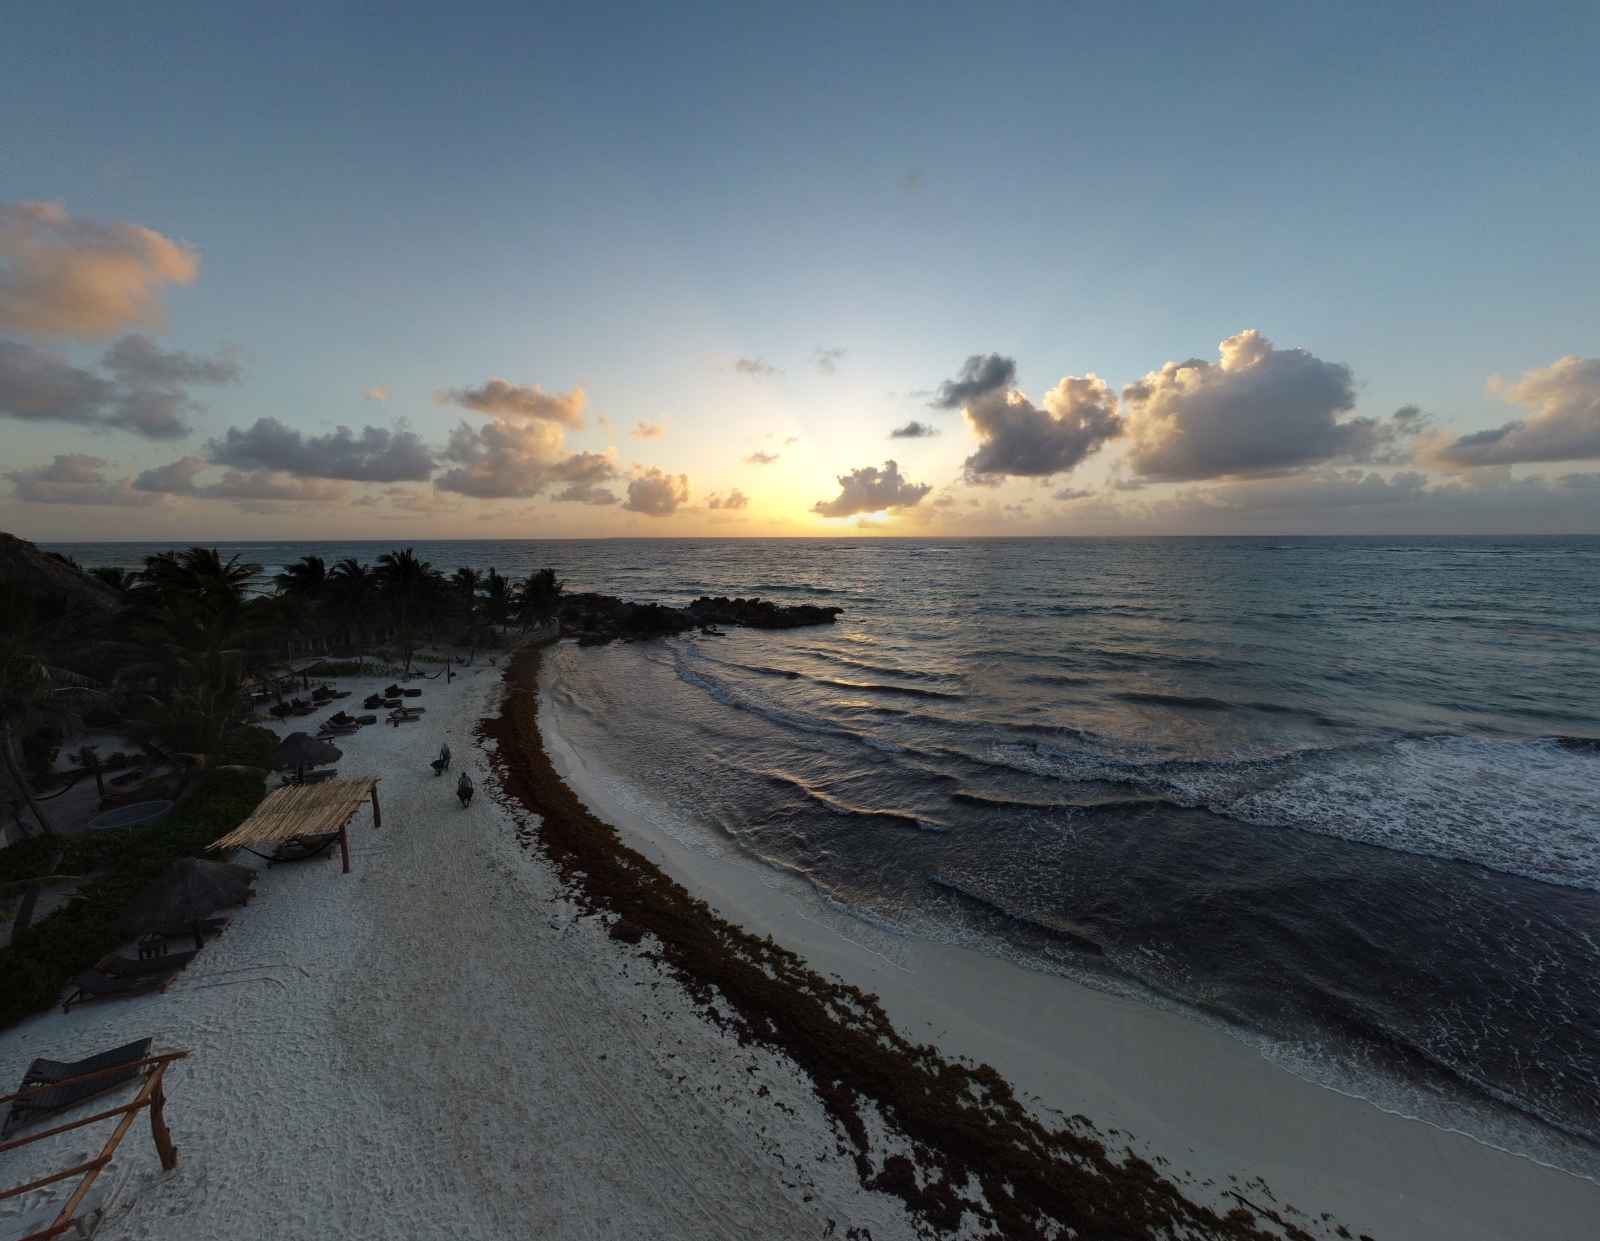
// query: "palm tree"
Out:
[353,588]
[197,576]
[539,598]
[498,598]
[306,577]
[25,690]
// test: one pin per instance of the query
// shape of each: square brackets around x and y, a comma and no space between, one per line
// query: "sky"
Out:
[408,272]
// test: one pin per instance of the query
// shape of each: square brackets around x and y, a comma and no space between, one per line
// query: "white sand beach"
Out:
[440,1043]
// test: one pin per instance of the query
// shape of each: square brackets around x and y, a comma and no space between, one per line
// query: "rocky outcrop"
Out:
[44,576]
[595,619]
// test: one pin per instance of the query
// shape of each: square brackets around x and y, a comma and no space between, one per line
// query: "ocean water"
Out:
[1331,794]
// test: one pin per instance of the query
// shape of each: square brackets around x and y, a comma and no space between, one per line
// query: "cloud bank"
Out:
[1564,425]
[516,460]
[76,478]
[140,388]
[377,455]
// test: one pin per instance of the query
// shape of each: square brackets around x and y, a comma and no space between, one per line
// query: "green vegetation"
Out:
[49,954]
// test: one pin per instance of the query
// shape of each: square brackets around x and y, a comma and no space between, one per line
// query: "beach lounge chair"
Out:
[364,720]
[373,701]
[411,693]
[44,1096]
[114,966]
[303,848]
[92,986]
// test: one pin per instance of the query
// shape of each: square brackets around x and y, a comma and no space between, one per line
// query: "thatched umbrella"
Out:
[302,750]
[188,891]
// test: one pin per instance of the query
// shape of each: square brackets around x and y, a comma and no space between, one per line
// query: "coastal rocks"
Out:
[595,619]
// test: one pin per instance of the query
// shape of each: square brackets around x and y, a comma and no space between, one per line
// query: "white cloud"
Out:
[761,458]
[505,399]
[62,276]
[657,494]
[647,431]
[1259,410]
[754,366]
[1564,425]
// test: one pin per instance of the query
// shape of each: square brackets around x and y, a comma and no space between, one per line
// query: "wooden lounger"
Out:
[303,848]
[92,986]
[42,1096]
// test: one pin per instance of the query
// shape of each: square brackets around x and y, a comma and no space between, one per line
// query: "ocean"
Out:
[1336,795]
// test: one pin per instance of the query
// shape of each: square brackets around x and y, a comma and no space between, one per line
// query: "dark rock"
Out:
[595,619]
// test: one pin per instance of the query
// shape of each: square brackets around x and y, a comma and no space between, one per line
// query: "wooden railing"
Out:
[151,1095]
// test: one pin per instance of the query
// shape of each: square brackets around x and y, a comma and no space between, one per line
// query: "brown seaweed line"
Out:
[962,1122]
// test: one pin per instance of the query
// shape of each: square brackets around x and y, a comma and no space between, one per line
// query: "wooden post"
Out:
[158,1126]
[344,846]
[377,813]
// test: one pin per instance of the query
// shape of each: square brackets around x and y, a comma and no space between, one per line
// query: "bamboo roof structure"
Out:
[302,810]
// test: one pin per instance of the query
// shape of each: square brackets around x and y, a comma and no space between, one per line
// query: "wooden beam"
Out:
[344,847]
[159,1131]
[377,812]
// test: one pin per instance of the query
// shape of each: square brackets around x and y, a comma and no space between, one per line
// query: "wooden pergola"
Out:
[306,810]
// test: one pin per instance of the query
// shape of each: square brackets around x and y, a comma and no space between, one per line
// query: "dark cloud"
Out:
[827,360]
[1564,425]
[761,458]
[179,478]
[586,493]
[1017,439]
[869,489]
[510,459]
[656,494]
[913,430]
[505,399]
[734,499]
[979,376]
[61,276]
[377,455]
[147,391]
[754,366]
[76,478]
[1259,410]
[1073,493]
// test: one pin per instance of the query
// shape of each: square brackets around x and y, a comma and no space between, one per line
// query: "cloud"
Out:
[1069,494]
[647,431]
[734,499]
[1260,410]
[377,455]
[656,494]
[378,393]
[145,389]
[979,376]
[1018,439]
[586,493]
[869,489]
[178,478]
[75,478]
[414,500]
[913,430]
[791,441]
[61,276]
[1564,425]
[827,360]
[508,400]
[754,366]
[761,458]
[516,460]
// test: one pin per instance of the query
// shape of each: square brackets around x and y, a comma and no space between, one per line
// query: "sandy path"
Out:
[437,1045]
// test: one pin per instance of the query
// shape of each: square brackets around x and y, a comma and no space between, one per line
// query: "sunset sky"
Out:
[425,272]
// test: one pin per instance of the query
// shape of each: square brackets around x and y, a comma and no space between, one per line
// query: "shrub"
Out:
[43,959]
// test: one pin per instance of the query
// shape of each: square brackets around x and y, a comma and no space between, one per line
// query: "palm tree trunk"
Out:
[18,779]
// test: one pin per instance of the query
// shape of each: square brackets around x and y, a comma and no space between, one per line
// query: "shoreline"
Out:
[949,1123]
[1189,1092]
